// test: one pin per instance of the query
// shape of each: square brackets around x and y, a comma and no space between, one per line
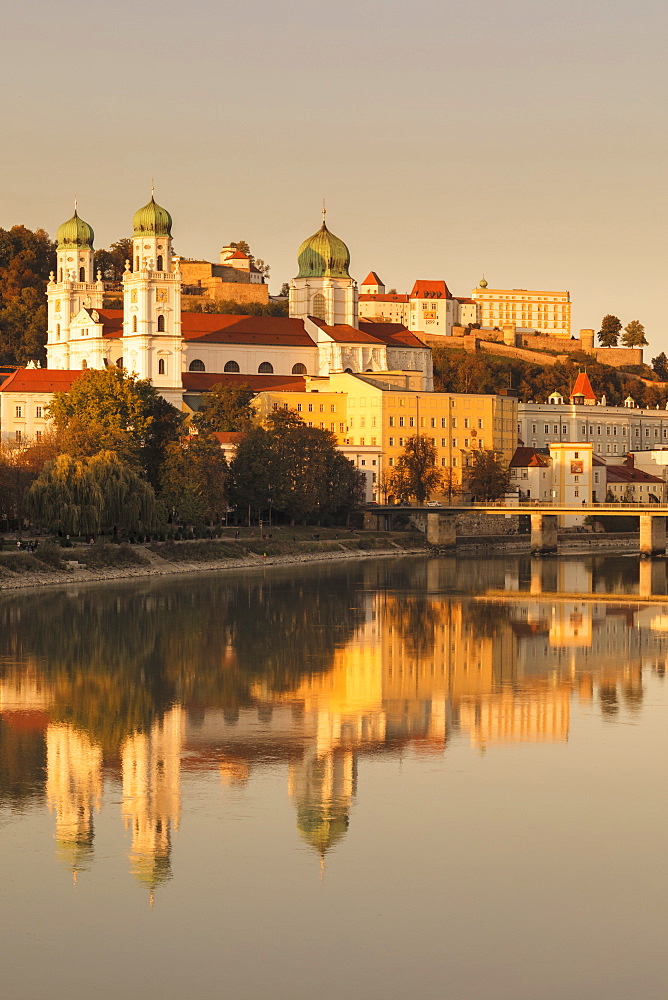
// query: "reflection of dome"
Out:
[322,826]
[323,255]
[153,219]
[152,870]
[75,234]
[76,851]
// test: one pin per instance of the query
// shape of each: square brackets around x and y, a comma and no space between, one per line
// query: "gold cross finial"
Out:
[152,187]
[324,209]
[75,204]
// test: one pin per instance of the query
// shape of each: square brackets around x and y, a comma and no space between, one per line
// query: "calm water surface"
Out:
[426,778]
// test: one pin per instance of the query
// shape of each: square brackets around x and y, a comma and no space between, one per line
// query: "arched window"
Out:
[84,363]
[266,368]
[158,264]
[57,331]
[61,274]
[231,366]
[161,366]
[319,306]
[299,369]
[161,324]
[348,371]
[119,362]
[137,263]
[197,366]
[82,274]
[134,324]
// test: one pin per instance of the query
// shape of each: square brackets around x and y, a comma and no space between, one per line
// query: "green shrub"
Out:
[100,556]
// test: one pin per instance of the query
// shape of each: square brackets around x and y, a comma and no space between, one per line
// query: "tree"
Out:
[26,258]
[415,474]
[83,496]
[111,262]
[107,409]
[660,366]
[257,262]
[489,479]
[194,481]
[20,464]
[610,329]
[285,290]
[634,334]
[224,408]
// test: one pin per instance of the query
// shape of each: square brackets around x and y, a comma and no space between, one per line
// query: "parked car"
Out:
[433,503]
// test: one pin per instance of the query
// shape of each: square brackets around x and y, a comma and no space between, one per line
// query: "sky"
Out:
[524,140]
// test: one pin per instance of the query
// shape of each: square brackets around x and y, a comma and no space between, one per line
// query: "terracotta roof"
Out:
[430,290]
[203,381]
[629,474]
[342,333]
[372,279]
[227,437]
[465,302]
[528,458]
[112,322]
[392,334]
[385,297]
[41,380]
[238,255]
[583,387]
[221,328]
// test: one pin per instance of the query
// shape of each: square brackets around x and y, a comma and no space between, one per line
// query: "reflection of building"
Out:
[151,795]
[74,790]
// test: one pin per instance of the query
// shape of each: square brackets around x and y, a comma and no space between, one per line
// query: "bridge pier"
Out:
[372,521]
[543,534]
[442,530]
[652,577]
[652,535]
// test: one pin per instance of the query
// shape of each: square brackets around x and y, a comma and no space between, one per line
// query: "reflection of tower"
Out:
[324,786]
[151,776]
[74,789]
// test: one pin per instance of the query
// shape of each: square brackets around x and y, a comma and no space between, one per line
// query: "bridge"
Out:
[442,527]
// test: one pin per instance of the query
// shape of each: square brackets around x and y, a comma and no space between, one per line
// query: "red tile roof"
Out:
[112,321]
[41,380]
[227,437]
[528,458]
[203,381]
[238,255]
[385,297]
[372,279]
[220,328]
[629,474]
[583,387]
[465,302]
[342,333]
[392,334]
[430,290]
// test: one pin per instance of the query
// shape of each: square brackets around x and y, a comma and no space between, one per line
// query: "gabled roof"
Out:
[629,474]
[41,380]
[343,333]
[227,437]
[392,334]
[238,255]
[583,387]
[372,279]
[385,297]
[430,290]
[221,328]
[204,381]
[529,458]
[465,302]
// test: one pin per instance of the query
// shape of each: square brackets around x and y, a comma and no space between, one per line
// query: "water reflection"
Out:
[138,687]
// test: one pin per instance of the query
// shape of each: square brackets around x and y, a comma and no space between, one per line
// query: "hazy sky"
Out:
[525,140]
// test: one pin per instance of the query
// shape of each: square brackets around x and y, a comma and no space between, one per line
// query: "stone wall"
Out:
[619,357]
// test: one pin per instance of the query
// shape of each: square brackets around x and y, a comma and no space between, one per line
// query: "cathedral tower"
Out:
[323,287]
[72,287]
[152,346]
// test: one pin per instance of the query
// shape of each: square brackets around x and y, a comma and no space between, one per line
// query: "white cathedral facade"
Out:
[152,337]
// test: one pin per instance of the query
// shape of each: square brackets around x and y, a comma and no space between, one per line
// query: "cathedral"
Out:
[185,352]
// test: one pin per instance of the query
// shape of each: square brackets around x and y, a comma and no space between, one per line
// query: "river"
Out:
[436,778]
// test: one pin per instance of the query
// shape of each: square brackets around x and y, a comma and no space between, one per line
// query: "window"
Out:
[453,422]
[319,306]
[17,435]
[332,426]
[332,407]
[564,429]
[391,461]
[556,428]
[158,263]
[411,421]
[84,363]
[196,366]
[38,412]
[161,324]
[454,442]
[576,454]
[310,407]
[433,421]
[401,442]
[340,428]
[321,408]
[443,442]
[391,421]
[576,492]
[299,407]
[480,423]
[82,274]
[19,411]
[134,324]
[161,366]
[299,369]
[266,368]
[119,362]
[57,331]
[401,421]
[467,422]
[38,435]
[444,461]
[391,442]
[231,366]
[546,429]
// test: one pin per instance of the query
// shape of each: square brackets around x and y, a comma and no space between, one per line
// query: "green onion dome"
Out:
[323,255]
[75,234]
[152,219]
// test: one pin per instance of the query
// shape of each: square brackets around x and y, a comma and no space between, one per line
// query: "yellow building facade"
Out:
[547,312]
[372,418]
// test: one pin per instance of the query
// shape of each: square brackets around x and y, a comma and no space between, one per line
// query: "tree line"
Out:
[120,460]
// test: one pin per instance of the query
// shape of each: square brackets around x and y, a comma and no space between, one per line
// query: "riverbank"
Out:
[51,566]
